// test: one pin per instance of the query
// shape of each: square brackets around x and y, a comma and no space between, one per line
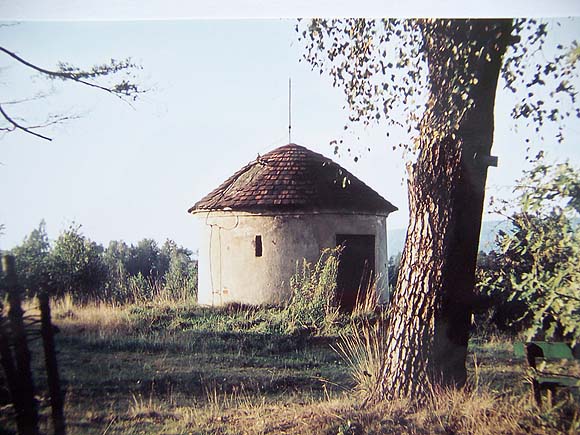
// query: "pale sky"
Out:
[218,97]
[178,9]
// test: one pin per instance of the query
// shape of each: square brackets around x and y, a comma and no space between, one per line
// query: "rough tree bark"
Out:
[430,309]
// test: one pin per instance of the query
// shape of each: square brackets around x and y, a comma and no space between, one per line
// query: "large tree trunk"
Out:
[430,311]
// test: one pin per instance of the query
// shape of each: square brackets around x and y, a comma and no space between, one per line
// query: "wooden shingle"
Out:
[293,178]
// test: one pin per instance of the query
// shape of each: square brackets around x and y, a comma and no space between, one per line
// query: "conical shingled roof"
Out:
[293,178]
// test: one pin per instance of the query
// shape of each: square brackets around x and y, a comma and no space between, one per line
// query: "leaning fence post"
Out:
[6,358]
[56,397]
[23,397]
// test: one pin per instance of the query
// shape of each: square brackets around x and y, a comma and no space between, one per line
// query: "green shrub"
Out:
[180,280]
[313,307]
[33,260]
[539,275]
[77,266]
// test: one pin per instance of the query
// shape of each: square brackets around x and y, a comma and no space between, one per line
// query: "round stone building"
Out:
[278,209]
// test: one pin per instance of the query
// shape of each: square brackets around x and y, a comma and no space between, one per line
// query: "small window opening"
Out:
[258,245]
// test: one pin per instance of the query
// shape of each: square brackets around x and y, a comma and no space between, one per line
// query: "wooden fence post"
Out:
[6,358]
[23,395]
[56,397]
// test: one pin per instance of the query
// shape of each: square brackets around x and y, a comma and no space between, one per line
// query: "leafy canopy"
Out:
[540,258]
[389,68]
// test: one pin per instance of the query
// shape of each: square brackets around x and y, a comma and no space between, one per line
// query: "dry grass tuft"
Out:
[470,411]
[367,302]
[102,319]
[450,411]
[144,407]
[363,346]
[364,352]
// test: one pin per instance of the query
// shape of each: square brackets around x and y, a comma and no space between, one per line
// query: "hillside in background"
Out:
[489,230]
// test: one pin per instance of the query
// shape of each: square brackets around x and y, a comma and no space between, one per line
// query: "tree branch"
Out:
[18,126]
[66,75]
[38,96]
[567,296]
[121,89]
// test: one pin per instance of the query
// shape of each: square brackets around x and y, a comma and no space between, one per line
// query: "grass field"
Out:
[163,369]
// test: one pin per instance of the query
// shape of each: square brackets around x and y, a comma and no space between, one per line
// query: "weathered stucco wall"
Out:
[230,271]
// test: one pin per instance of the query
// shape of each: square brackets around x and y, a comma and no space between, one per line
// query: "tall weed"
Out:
[363,349]
[367,307]
[313,307]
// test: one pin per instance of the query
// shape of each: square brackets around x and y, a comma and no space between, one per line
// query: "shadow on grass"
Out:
[200,341]
[194,364]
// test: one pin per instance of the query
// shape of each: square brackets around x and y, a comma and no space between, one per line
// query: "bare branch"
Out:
[38,96]
[123,89]
[18,126]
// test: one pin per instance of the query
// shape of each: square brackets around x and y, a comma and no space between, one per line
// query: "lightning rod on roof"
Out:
[289,110]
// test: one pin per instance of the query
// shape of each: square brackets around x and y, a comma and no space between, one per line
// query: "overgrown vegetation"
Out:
[160,368]
[534,276]
[313,307]
[363,349]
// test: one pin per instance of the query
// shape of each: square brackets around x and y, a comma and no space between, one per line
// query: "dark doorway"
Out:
[356,267]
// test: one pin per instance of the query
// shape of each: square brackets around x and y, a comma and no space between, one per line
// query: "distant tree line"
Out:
[77,266]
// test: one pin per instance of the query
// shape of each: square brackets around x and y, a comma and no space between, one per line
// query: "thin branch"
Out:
[124,90]
[52,120]
[55,120]
[21,127]
[508,217]
[567,296]
[59,74]
[38,96]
